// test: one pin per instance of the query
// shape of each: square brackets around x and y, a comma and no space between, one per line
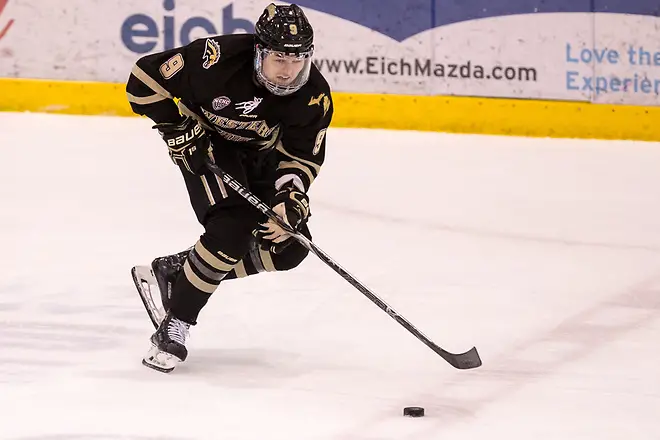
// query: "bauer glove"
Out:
[292,206]
[187,143]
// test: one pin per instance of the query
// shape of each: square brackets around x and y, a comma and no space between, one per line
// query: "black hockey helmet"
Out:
[284,29]
[284,48]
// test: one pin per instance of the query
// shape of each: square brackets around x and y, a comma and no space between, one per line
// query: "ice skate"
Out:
[168,345]
[166,270]
[154,284]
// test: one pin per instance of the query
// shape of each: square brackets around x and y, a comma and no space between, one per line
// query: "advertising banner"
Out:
[577,50]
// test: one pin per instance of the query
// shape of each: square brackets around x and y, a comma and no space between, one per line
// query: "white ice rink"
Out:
[545,254]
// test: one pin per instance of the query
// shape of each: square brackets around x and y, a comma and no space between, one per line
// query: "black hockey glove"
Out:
[187,143]
[292,206]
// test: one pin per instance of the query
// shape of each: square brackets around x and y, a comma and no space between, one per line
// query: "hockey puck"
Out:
[413,411]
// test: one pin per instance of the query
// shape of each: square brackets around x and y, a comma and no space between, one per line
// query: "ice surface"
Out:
[545,254]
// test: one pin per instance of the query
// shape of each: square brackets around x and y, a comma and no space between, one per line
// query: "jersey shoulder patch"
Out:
[322,100]
[211,53]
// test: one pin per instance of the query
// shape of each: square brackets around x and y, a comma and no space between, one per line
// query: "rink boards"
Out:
[559,68]
[427,113]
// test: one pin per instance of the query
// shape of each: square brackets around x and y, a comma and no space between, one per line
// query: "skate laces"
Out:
[178,331]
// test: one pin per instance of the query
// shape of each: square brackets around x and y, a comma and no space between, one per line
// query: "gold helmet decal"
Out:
[271,9]
[211,53]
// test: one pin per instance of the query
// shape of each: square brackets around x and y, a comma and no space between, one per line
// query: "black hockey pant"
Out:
[227,248]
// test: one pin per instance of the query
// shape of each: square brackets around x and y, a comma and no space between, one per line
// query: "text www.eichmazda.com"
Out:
[419,67]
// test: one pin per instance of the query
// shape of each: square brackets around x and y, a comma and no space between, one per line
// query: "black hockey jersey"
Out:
[213,80]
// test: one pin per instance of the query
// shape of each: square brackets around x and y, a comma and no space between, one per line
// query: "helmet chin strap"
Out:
[255,80]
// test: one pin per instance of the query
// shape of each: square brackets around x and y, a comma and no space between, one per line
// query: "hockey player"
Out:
[255,105]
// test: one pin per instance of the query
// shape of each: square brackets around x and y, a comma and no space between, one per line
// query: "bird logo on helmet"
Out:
[284,45]
[271,10]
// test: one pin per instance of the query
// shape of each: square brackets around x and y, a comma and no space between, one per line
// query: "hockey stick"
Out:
[463,361]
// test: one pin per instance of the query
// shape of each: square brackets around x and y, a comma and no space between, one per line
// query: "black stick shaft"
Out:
[469,359]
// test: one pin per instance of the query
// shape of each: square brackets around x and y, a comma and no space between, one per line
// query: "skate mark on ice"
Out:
[98,437]
[572,340]
[478,232]
[49,344]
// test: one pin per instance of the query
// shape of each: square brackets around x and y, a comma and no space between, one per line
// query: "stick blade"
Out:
[464,361]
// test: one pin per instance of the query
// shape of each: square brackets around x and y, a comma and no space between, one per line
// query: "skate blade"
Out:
[147,287]
[160,360]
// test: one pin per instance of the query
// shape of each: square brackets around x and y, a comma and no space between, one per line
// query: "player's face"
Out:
[282,69]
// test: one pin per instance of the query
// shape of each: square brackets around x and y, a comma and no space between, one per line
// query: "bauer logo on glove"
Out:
[186,137]
[292,206]
[187,142]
